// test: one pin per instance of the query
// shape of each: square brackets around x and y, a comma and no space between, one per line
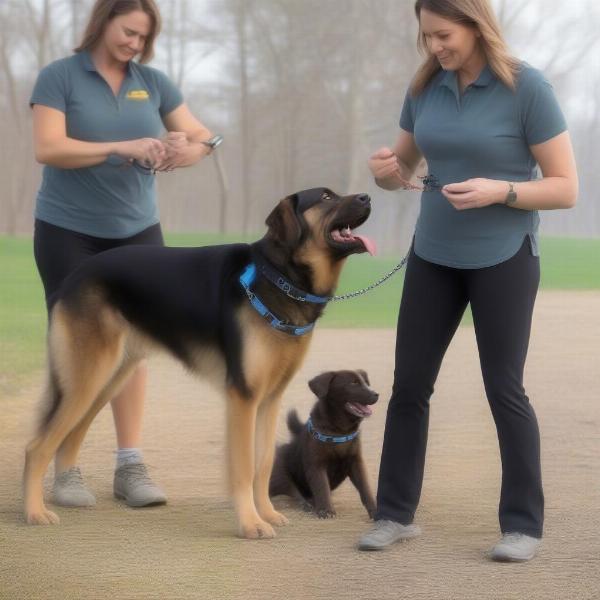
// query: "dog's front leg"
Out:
[321,492]
[241,423]
[358,476]
[266,427]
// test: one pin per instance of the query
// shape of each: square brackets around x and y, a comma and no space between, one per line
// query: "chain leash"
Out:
[373,285]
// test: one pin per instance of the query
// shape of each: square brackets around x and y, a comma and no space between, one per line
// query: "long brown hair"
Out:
[105,10]
[479,15]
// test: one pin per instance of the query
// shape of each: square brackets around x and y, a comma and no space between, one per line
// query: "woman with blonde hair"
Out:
[97,120]
[484,121]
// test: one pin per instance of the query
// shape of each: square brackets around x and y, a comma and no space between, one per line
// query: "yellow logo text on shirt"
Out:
[138,95]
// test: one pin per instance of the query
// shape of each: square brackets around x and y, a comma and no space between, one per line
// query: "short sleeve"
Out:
[51,87]
[170,95]
[541,116]
[407,116]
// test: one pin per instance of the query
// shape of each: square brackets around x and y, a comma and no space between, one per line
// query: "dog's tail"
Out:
[293,422]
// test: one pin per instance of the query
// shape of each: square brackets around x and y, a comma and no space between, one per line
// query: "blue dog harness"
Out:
[248,277]
[329,439]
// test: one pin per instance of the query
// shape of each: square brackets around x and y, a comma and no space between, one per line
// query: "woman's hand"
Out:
[149,152]
[384,165]
[176,145]
[180,151]
[475,193]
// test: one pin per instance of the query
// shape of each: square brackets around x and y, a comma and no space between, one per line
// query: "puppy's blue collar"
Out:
[329,439]
[247,278]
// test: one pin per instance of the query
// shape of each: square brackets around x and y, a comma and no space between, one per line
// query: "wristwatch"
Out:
[213,142]
[511,197]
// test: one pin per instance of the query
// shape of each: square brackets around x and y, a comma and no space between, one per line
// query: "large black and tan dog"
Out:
[240,315]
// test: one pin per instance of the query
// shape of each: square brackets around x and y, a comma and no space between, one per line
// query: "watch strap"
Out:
[511,196]
[213,142]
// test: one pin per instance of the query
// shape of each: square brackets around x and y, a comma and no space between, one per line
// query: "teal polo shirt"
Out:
[485,132]
[113,199]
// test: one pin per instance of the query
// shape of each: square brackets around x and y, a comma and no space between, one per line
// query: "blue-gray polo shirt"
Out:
[486,132]
[113,199]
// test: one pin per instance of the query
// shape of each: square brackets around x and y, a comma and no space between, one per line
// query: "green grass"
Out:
[567,263]
[570,264]
[22,313]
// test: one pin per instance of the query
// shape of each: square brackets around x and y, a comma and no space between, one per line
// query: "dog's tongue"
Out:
[347,235]
[368,243]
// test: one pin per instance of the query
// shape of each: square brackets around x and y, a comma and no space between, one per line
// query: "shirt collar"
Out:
[88,64]
[86,60]
[450,81]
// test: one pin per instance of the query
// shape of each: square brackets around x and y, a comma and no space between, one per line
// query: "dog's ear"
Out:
[319,385]
[283,223]
[364,375]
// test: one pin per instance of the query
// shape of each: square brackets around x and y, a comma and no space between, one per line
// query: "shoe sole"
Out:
[91,502]
[72,504]
[364,548]
[508,559]
[135,504]
[373,548]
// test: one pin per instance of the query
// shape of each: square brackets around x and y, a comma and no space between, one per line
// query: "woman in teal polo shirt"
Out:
[98,118]
[483,121]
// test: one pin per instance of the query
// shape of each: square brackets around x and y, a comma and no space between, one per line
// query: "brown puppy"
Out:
[326,449]
[238,314]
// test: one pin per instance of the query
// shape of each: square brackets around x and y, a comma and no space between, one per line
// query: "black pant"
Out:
[433,302]
[59,251]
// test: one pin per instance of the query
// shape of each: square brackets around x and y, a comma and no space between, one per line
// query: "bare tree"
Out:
[304,92]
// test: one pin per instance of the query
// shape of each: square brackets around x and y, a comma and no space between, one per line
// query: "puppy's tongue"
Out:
[358,409]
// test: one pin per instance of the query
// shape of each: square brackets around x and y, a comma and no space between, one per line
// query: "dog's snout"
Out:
[363,198]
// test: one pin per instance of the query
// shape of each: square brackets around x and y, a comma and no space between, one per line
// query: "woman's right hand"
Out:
[147,151]
[384,165]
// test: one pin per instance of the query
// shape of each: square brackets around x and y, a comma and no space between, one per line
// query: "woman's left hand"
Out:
[475,193]
[176,143]
[180,151]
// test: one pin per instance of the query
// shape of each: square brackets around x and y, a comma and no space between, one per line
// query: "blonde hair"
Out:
[479,15]
[106,10]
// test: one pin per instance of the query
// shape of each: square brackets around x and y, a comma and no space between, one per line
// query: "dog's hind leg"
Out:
[241,424]
[66,456]
[83,360]
[266,427]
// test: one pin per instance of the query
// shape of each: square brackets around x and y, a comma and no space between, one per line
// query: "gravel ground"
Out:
[187,549]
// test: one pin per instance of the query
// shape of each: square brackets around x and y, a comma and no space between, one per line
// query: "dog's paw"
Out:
[306,506]
[372,512]
[275,518]
[41,517]
[257,530]
[326,513]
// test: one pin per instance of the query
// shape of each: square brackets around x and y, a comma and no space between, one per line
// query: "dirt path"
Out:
[188,549]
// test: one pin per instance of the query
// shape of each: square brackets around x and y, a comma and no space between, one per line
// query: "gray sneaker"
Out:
[385,533]
[69,489]
[133,484]
[515,547]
